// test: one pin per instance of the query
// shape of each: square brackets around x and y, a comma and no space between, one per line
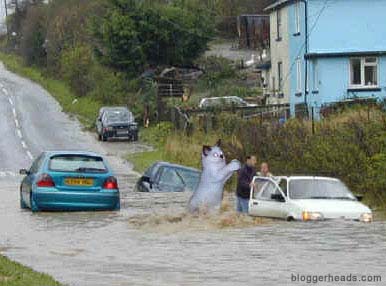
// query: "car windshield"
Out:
[118,116]
[319,189]
[180,178]
[77,163]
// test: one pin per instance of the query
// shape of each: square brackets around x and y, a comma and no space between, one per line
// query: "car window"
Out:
[264,188]
[283,186]
[169,176]
[77,163]
[118,116]
[37,164]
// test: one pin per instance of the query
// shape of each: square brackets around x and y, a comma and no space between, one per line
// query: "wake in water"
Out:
[184,221]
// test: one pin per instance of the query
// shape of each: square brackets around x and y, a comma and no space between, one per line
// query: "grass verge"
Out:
[15,274]
[84,108]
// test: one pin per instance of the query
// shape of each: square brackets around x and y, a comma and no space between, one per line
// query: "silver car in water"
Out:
[305,198]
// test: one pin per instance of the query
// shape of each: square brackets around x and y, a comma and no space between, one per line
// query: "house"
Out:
[325,51]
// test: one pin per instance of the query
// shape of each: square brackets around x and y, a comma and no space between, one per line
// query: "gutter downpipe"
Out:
[305,58]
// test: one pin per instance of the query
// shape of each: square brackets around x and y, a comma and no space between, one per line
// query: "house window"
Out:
[364,72]
[315,80]
[298,75]
[278,24]
[280,75]
[297,18]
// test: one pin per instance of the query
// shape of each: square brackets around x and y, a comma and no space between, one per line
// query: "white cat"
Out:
[209,193]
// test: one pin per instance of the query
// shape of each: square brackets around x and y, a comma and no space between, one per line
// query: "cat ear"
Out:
[218,144]
[206,150]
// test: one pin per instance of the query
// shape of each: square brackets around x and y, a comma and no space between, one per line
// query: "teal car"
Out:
[69,181]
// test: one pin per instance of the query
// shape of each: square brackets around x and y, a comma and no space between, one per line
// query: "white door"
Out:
[261,201]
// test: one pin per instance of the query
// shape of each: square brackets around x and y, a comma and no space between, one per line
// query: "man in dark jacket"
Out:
[246,174]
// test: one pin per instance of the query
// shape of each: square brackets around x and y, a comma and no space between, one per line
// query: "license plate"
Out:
[122,132]
[79,182]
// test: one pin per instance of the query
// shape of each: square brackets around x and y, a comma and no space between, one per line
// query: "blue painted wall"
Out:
[347,25]
[336,26]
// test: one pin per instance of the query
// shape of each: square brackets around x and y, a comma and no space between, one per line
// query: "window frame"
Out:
[280,75]
[315,75]
[299,88]
[278,24]
[363,64]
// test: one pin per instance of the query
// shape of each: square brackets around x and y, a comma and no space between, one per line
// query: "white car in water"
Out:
[306,199]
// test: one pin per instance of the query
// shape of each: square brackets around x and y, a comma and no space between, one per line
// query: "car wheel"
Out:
[22,203]
[34,206]
[290,218]
[134,137]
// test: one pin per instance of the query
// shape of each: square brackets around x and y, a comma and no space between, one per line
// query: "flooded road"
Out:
[151,241]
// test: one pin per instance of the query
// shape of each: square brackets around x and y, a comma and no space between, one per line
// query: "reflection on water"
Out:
[153,241]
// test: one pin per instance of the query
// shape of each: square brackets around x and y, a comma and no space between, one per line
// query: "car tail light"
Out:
[111,183]
[45,181]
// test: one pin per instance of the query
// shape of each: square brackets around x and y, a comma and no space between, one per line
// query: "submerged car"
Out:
[69,181]
[116,122]
[225,101]
[305,199]
[167,177]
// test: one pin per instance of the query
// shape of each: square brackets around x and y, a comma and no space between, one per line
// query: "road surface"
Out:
[151,241]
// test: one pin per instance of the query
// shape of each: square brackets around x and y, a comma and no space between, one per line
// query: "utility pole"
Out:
[6,16]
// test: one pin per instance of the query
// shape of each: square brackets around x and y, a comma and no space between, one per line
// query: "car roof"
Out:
[297,177]
[167,164]
[72,152]
[220,97]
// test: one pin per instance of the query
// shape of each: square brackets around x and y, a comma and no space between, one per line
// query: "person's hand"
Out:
[251,185]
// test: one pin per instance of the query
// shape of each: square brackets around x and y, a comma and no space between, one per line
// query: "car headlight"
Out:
[306,216]
[366,217]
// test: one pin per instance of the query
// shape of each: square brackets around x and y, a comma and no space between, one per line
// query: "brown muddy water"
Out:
[152,241]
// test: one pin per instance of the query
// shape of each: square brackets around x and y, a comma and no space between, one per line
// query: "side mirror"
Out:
[359,197]
[24,172]
[278,198]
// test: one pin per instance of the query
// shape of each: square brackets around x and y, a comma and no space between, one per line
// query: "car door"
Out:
[27,182]
[261,202]
[99,123]
[169,181]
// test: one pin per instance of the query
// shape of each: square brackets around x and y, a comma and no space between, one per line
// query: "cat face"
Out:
[213,155]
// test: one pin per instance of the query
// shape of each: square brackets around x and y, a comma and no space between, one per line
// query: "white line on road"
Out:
[14,112]
[30,155]
[5,91]
[24,144]
[10,101]
[18,131]
[17,123]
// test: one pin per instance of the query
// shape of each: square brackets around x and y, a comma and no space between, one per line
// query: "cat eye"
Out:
[216,155]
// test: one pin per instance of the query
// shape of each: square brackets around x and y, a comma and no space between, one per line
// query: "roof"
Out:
[72,152]
[278,4]
[167,164]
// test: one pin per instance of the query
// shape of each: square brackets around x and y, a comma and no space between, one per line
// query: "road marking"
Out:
[8,174]
[19,133]
[14,112]
[24,144]
[30,155]
[17,123]
[10,100]
[5,91]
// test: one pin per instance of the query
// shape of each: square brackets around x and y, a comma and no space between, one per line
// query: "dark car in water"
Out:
[116,122]
[167,177]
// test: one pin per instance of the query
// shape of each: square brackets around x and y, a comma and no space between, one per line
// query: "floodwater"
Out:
[152,241]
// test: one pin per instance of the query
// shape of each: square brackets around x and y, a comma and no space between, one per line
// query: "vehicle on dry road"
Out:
[116,122]
[305,198]
[69,181]
[167,177]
